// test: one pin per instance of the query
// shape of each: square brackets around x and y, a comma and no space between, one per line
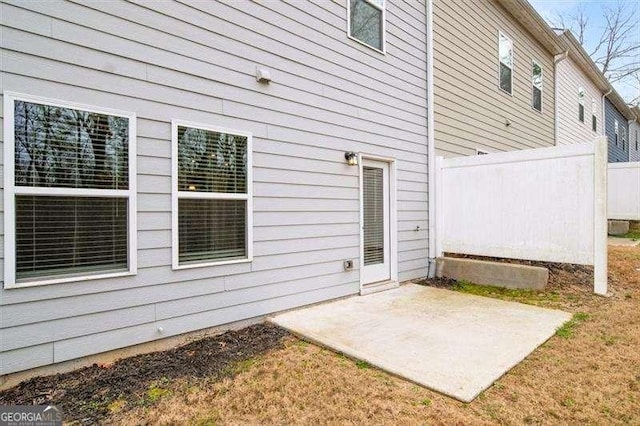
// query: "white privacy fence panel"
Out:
[545,204]
[623,191]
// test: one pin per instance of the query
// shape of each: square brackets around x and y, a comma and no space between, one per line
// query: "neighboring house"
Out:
[634,135]
[493,77]
[580,89]
[617,116]
[175,166]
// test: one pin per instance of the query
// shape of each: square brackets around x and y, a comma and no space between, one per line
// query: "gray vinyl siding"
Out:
[470,109]
[197,62]
[616,151]
[634,141]
[569,79]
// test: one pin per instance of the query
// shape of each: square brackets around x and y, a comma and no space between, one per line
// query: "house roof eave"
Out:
[584,61]
[524,13]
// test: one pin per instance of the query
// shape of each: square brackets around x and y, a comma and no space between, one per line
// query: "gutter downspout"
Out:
[431,149]
[604,114]
[556,60]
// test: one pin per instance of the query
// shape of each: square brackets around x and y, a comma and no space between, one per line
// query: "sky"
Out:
[549,9]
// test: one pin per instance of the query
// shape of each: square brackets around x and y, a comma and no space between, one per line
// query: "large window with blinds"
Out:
[212,204]
[69,192]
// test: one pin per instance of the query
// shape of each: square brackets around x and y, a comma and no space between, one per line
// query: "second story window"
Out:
[636,140]
[581,104]
[505,54]
[594,116]
[536,82]
[623,131]
[617,130]
[366,22]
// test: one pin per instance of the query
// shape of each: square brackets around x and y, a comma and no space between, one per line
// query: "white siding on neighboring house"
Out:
[197,62]
[569,78]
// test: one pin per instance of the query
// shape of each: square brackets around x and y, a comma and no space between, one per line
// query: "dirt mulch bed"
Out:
[87,395]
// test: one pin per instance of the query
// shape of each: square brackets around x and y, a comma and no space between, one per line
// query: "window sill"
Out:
[61,280]
[383,51]
[177,267]
[505,92]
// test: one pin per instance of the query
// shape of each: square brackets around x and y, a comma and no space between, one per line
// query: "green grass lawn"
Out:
[634,235]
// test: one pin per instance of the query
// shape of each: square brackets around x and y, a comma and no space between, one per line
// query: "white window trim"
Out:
[382,8]
[541,110]
[513,60]
[176,195]
[10,190]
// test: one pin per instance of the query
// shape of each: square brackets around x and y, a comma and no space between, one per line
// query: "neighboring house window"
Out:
[594,116]
[615,126]
[623,131]
[581,104]
[70,192]
[505,54]
[536,82]
[367,22]
[636,140]
[212,204]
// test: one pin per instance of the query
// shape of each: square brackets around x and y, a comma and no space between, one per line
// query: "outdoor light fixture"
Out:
[352,158]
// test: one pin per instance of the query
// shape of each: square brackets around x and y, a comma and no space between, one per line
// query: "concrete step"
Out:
[378,287]
[499,274]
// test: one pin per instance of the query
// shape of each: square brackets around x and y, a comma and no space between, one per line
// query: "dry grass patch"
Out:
[588,374]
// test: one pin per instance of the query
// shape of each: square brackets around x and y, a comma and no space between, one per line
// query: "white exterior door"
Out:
[376,263]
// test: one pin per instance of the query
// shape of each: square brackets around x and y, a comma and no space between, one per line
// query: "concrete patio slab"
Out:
[454,343]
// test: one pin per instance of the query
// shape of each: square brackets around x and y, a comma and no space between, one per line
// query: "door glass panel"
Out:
[373,200]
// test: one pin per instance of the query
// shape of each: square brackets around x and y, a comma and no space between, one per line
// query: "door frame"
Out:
[393,215]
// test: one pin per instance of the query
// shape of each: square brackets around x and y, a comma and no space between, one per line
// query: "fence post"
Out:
[636,170]
[440,199]
[600,160]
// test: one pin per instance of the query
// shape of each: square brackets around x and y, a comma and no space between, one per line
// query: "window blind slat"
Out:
[211,230]
[373,200]
[57,235]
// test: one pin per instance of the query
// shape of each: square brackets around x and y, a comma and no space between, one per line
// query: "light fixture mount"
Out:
[351,157]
